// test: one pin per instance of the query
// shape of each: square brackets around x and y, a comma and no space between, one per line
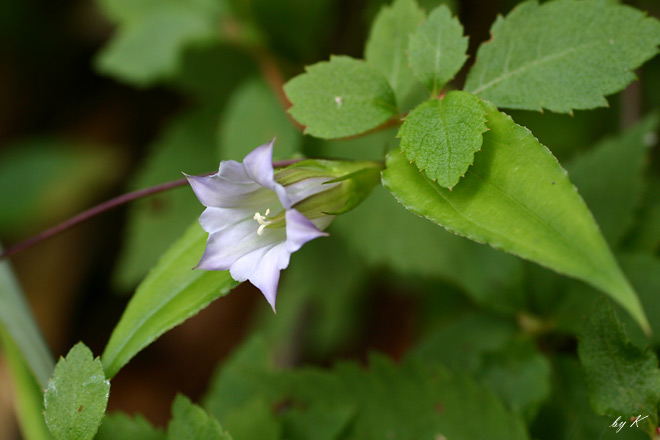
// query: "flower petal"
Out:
[299,191]
[259,166]
[226,246]
[216,219]
[267,276]
[216,191]
[299,230]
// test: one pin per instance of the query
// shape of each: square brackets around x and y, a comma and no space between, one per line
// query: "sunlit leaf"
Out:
[517,198]
[170,294]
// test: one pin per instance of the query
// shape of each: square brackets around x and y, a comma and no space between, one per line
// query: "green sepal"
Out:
[355,179]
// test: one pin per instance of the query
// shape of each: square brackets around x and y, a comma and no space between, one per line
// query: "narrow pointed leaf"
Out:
[76,396]
[388,43]
[562,55]
[441,136]
[341,97]
[622,379]
[28,394]
[17,319]
[517,198]
[170,294]
[437,49]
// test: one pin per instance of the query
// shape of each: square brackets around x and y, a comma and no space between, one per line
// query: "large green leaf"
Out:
[28,394]
[622,379]
[76,396]
[441,136]
[170,294]
[17,319]
[491,278]
[341,97]
[517,198]
[387,46]
[609,177]
[437,49]
[562,55]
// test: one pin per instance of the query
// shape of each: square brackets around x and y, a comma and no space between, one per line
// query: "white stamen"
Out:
[261,219]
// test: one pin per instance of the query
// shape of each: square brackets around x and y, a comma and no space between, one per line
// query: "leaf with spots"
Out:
[562,55]
[339,98]
[441,136]
[76,396]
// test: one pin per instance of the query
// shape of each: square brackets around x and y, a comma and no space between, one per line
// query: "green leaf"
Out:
[491,278]
[644,273]
[441,136]
[317,422]
[170,294]
[410,401]
[609,177]
[17,320]
[156,222]
[190,422]
[622,379]
[437,49]
[76,396]
[646,234]
[254,116]
[150,50]
[568,414]
[119,426]
[519,374]
[517,198]
[462,343]
[388,43]
[562,55]
[28,394]
[253,421]
[240,379]
[486,346]
[341,97]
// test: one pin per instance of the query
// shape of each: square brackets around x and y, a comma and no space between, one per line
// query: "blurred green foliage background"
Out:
[102,97]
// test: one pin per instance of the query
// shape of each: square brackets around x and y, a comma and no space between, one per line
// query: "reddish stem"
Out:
[105,206]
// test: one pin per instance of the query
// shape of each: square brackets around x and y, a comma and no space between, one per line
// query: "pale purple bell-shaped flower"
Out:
[251,220]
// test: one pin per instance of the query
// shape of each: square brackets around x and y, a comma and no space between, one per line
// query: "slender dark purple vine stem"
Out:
[105,206]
